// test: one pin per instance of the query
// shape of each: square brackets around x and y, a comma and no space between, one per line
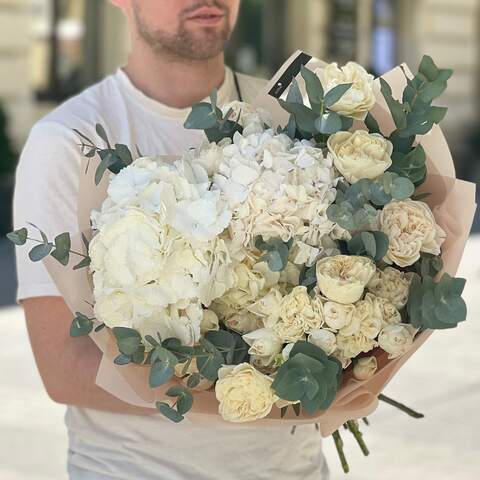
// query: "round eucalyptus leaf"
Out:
[402,188]
[328,123]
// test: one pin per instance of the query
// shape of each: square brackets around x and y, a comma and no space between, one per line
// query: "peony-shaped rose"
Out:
[391,284]
[396,339]
[342,278]
[299,315]
[130,251]
[360,154]
[370,318]
[384,310]
[411,230]
[244,393]
[360,98]
[324,339]
[353,345]
[365,368]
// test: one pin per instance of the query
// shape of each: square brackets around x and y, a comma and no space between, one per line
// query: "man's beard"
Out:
[186,44]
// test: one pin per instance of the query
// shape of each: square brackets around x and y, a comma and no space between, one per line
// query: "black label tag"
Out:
[290,73]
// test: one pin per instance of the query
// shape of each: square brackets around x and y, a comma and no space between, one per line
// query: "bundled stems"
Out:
[400,406]
[339,446]
[353,427]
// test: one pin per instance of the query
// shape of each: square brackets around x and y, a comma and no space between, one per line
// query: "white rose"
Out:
[353,345]
[396,339]
[365,368]
[299,314]
[209,322]
[370,318]
[264,343]
[244,393]
[360,154]
[267,308]
[411,229]
[343,278]
[360,98]
[391,284]
[338,316]
[130,250]
[384,310]
[324,339]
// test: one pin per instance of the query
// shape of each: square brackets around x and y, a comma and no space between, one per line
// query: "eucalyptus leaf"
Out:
[335,94]
[304,116]
[39,252]
[85,262]
[294,94]
[185,398]
[81,325]
[163,367]
[328,123]
[314,88]
[18,237]
[169,412]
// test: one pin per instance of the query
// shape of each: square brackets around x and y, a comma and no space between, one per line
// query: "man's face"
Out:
[188,29]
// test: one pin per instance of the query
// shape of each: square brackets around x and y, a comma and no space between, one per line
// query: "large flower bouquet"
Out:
[279,271]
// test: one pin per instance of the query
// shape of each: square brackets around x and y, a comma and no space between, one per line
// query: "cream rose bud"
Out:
[360,98]
[209,322]
[264,343]
[324,339]
[411,229]
[397,339]
[244,393]
[342,278]
[243,322]
[391,284]
[299,314]
[338,316]
[253,120]
[365,368]
[360,154]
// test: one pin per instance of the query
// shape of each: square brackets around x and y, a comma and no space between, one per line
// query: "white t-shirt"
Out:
[127,447]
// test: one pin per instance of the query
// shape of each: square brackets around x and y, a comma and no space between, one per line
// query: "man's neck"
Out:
[173,82]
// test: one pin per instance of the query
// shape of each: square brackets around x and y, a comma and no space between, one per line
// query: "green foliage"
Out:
[18,237]
[309,376]
[411,165]
[436,306]
[276,252]
[184,398]
[428,265]
[316,121]
[112,158]
[208,117]
[166,410]
[355,206]
[308,277]
[370,244]
[62,248]
[81,325]
[129,343]
[163,367]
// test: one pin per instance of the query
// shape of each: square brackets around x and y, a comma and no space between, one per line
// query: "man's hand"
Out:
[68,366]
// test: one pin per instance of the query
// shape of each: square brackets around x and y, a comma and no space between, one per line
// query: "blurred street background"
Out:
[52,49]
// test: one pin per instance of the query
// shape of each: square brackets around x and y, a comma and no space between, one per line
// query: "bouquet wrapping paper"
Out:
[452,202]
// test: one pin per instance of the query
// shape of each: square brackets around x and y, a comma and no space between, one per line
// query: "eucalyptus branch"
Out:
[400,406]
[69,251]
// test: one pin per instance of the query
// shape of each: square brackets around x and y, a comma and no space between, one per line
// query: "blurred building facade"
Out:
[50,49]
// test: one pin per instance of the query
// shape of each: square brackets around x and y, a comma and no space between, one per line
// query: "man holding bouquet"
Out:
[176,60]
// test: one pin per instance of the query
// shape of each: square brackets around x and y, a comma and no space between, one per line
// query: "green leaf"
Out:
[129,341]
[39,252]
[328,123]
[185,398]
[83,264]
[314,88]
[372,124]
[294,94]
[108,161]
[102,133]
[335,94]
[123,152]
[428,68]
[432,90]
[395,107]
[194,380]
[169,412]
[62,248]
[304,116]
[437,114]
[163,367]
[402,188]
[202,117]
[18,237]
[210,361]
[122,360]
[81,325]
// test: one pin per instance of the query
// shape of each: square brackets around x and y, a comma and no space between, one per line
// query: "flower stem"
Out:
[339,446]
[366,421]
[400,406]
[353,427]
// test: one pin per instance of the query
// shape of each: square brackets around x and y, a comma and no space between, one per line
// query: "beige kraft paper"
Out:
[453,202]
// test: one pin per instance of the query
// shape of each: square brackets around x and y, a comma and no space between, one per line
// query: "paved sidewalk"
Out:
[441,380]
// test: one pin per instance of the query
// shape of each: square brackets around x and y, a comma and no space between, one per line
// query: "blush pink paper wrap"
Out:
[453,202]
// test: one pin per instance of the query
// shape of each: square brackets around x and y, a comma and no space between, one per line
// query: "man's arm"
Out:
[68,366]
